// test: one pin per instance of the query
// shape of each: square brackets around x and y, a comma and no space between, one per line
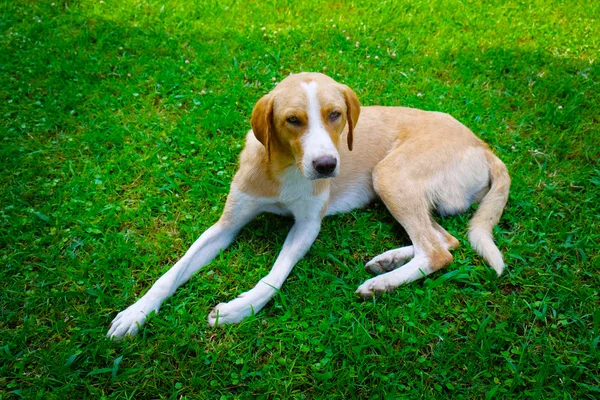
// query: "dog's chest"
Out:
[296,196]
[294,187]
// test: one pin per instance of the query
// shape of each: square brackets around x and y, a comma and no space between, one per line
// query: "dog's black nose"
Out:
[325,165]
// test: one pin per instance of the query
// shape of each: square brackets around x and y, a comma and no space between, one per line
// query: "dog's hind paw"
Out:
[390,260]
[374,287]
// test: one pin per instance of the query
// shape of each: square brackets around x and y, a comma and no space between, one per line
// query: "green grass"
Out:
[120,125]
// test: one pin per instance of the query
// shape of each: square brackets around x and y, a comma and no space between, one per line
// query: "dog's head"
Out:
[303,117]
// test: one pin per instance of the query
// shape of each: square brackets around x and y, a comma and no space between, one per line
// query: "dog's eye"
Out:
[334,115]
[293,120]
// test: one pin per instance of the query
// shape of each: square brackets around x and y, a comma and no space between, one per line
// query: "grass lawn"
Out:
[120,126]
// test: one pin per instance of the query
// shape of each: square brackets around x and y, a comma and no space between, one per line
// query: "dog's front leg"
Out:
[302,235]
[239,210]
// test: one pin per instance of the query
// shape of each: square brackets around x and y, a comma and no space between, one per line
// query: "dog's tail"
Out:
[489,212]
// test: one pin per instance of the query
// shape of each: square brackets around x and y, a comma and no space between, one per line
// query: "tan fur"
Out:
[489,212]
[452,242]
[319,186]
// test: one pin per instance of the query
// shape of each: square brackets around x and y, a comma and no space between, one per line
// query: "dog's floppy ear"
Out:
[352,112]
[262,122]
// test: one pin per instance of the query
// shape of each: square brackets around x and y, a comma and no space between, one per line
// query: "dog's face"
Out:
[304,116]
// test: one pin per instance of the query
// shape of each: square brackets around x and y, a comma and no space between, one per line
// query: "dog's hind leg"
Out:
[450,241]
[392,259]
[405,195]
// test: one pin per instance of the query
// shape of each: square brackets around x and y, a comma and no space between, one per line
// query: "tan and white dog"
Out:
[307,156]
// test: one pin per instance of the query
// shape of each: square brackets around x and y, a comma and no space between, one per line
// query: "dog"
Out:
[308,156]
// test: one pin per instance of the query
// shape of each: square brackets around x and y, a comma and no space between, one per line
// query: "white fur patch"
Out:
[294,186]
[356,194]
[297,197]
[316,141]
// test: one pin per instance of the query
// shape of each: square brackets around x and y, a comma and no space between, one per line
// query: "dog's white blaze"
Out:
[316,141]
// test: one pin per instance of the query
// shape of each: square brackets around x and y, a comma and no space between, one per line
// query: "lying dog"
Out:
[299,160]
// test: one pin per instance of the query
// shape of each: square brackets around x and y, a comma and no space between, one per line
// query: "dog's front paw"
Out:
[129,321]
[374,287]
[230,313]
